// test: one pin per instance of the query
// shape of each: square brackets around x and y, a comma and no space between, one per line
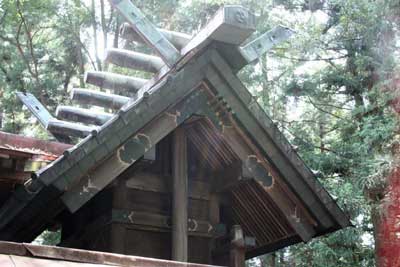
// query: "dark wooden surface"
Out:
[180,196]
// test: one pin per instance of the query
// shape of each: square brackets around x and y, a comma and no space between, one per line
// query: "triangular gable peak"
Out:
[280,204]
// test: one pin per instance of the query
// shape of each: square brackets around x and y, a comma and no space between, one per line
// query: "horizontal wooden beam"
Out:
[178,39]
[82,115]
[147,31]
[115,82]
[69,128]
[96,98]
[238,57]
[134,60]
[195,227]
[154,183]
[256,48]
[230,25]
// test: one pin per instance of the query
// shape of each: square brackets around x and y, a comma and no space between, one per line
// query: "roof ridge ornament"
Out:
[256,48]
[147,31]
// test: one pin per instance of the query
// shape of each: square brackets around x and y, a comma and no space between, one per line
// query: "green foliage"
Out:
[345,124]
[48,238]
[38,48]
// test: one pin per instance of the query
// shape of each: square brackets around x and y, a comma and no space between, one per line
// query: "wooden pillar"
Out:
[180,197]
[238,248]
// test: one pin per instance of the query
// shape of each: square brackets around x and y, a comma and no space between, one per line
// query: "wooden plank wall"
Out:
[133,215]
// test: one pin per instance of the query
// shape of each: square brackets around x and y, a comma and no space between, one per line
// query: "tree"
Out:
[346,123]
[40,53]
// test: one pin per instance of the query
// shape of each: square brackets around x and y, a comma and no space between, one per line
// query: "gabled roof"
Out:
[200,81]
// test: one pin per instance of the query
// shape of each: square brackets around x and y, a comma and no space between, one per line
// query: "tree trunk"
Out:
[116,33]
[96,45]
[81,64]
[272,260]
[104,28]
[386,223]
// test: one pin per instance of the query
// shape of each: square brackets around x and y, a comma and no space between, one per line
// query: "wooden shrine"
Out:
[187,167]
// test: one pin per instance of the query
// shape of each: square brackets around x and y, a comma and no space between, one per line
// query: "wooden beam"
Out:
[214,208]
[256,48]
[37,109]
[116,82]
[180,196]
[238,57]
[96,98]
[238,248]
[41,114]
[134,60]
[155,183]
[161,222]
[178,39]
[147,31]
[230,25]
[82,115]
[69,128]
